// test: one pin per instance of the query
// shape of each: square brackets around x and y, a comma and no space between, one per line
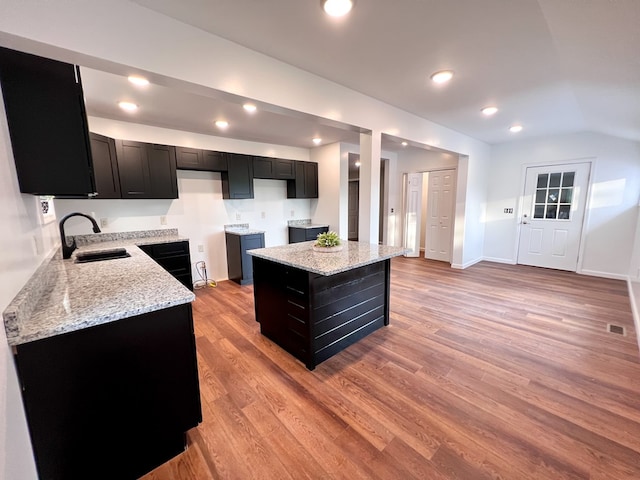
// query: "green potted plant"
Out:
[328,242]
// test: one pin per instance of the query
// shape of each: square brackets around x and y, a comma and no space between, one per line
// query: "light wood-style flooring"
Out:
[493,372]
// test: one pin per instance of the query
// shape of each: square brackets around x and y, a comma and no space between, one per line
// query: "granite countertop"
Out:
[241,229]
[353,255]
[310,225]
[63,296]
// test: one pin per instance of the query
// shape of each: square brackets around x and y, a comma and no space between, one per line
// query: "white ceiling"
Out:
[554,66]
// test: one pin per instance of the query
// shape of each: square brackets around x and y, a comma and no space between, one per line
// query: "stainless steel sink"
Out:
[101,255]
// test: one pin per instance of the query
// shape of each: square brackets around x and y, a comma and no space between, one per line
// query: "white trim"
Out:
[462,266]
[508,261]
[596,273]
[634,309]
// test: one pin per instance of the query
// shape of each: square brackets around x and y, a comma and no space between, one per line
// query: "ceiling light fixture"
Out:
[317,140]
[337,8]
[128,106]
[222,124]
[249,107]
[515,128]
[488,111]
[404,144]
[357,164]
[139,81]
[442,76]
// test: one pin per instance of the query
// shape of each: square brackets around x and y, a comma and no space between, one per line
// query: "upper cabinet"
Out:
[105,166]
[237,181]
[146,170]
[305,184]
[47,124]
[273,168]
[196,159]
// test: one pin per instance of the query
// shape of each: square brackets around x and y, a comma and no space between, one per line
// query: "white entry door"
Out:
[552,213]
[412,211]
[439,221]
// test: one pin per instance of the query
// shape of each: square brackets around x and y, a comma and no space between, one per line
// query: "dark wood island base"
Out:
[315,316]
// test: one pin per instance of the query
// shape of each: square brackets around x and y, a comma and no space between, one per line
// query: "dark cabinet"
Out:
[146,170]
[174,258]
[273,168]
[196,159]
[305,184]
[237,181]
[239,262]
[118,398]
[105,166]
[47,124]
[302,234]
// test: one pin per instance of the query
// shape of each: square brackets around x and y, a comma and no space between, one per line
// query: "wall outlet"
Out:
[393,210]
[237,216]
[201,248]
[263,215]
[104,223]
[163,219]
[292,213]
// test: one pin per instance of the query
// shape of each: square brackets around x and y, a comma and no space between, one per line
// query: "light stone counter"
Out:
[353,255]
[63,296]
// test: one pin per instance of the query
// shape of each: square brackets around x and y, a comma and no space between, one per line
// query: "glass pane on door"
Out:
[554,194]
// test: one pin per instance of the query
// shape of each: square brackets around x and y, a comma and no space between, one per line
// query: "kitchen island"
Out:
[315,304]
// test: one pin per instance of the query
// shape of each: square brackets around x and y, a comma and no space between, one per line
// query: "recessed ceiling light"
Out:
[442,76]
[515,128]
[357,164]
[249,107]
[404,144]
[128,106]
[337,8]
[222,124]
[488,111]
[317,140]
[139,81]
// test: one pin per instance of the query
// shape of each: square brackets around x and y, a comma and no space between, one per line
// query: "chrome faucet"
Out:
[67,250]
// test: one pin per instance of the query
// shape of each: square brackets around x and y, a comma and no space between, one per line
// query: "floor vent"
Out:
[615,329]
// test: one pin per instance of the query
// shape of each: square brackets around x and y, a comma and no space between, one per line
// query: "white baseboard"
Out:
[462,266]
[634,307]
[612,276]
[508,261]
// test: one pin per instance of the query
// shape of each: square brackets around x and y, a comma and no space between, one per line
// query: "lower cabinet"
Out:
[174,258]
[301,234]
[113,400]
[239,262]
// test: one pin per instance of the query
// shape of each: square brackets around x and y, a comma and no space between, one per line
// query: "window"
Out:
[554,194]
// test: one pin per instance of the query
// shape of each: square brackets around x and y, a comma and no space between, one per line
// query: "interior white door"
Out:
[412,211]
[439,222]
[553,209]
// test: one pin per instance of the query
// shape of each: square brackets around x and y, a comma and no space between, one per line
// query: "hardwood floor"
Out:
[496,371]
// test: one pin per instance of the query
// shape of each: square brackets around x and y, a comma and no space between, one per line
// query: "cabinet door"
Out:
[215,161]
[162,171]
[105,166]
[312,233]
[47,123]
[263,167]
[249,242]
[305,184]
[237,182]
[133,166]
[284,169]
[189,158]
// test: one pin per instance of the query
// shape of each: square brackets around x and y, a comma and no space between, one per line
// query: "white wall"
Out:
[81,31]
[24,244]
[611,208]
[332,167]
[199,213]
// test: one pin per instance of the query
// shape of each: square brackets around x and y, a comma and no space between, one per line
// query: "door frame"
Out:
[453,208]
[587,205]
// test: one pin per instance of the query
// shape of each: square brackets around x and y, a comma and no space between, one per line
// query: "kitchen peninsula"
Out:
[315,304]
[105,352]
